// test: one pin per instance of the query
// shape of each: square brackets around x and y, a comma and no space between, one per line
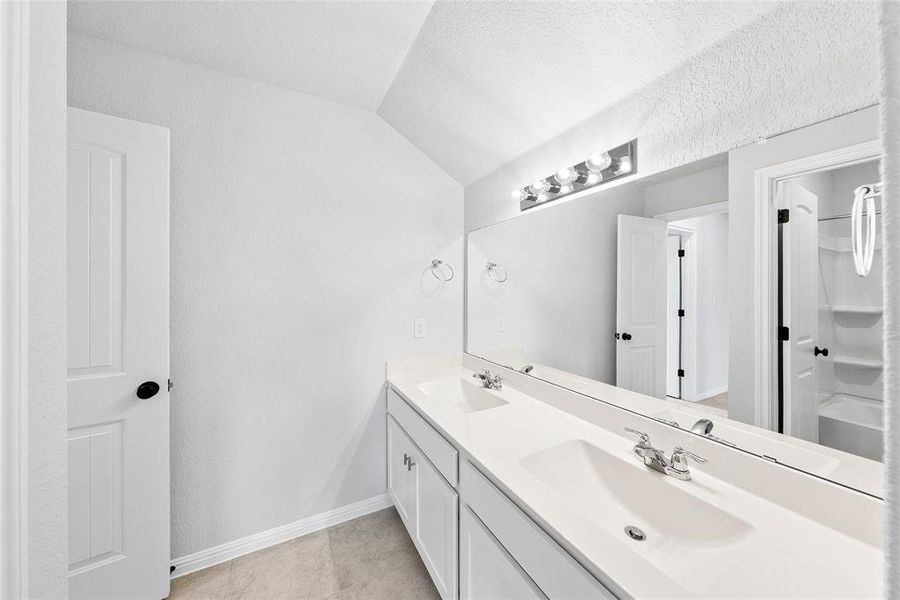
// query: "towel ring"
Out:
[439,273]
[493,271]
[862,240]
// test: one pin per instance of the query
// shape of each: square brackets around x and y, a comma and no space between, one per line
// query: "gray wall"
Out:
[559,301]
[300,231]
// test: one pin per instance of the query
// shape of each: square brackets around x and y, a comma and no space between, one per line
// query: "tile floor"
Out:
[371,557]
[719,401]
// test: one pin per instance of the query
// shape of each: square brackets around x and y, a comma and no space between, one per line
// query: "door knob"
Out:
[823,351]
[146,390]
[626,336]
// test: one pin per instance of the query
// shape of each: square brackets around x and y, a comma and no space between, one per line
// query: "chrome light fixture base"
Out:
[623,162]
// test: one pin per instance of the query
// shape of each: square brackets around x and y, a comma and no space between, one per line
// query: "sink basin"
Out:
[618,493]
[461,396]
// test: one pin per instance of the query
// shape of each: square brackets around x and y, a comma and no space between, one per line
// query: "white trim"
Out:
[716,208]
[765,185]
[690,303]
[14,156]
[258,541]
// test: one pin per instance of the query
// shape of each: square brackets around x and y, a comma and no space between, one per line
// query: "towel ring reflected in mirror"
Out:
[496,272]
[439,272]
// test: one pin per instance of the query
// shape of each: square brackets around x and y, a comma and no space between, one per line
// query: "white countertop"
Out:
[777,550]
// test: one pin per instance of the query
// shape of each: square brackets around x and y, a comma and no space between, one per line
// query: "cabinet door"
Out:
[487,571]
[400,474]
[436,515]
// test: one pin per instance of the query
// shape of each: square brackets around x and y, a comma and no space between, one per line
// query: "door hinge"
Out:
[681,253]
[170,386]
[680,312]
[681,372]
[784,333]
[784,215]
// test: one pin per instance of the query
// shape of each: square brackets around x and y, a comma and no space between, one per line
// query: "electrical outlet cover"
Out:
[420,328]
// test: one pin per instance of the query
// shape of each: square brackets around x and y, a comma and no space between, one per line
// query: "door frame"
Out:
[14,158]
[689,391]
[688,283]
[766,182]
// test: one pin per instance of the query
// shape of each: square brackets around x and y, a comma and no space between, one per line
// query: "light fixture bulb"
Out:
[516,194]
[598,161]
[565,176]
[593,178]
[538,186]
[624,165]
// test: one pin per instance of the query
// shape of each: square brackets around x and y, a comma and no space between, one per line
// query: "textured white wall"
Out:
[890,171]
[300,229]
[47,459]
[801,63]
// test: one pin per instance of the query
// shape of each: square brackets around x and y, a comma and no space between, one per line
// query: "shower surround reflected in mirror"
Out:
[624,295]
[834,398]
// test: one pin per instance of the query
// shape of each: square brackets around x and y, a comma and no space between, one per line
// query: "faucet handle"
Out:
[645,439]
[680,456]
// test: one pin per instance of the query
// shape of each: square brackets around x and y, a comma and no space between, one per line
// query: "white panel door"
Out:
[801,311]
[118,339]
[487,571]
[436,520]
[641,306]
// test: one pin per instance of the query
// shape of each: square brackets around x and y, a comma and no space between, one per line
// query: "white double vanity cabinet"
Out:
[465,528]
[530,491]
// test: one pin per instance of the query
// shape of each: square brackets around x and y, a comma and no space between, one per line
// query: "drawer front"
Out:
[546,563]
[438,450]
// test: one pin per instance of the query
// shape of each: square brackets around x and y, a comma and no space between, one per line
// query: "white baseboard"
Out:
[229,550]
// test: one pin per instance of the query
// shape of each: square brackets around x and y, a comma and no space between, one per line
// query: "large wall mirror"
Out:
[738,298]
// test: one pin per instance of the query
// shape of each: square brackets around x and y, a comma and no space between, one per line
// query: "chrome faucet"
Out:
[675,466]
[704,427]
[488,381]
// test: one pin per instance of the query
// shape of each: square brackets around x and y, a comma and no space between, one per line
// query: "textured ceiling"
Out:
[472,84]
[348,52]
[485,82]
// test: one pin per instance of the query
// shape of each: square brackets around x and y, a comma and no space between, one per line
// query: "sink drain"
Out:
[635,533]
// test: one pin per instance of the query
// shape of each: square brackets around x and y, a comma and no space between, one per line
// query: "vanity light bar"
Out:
[597,169]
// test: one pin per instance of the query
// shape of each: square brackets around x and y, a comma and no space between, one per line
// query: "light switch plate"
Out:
[501,323]
[420,328]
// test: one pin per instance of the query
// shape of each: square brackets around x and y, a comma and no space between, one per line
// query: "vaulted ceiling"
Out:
[472,84]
